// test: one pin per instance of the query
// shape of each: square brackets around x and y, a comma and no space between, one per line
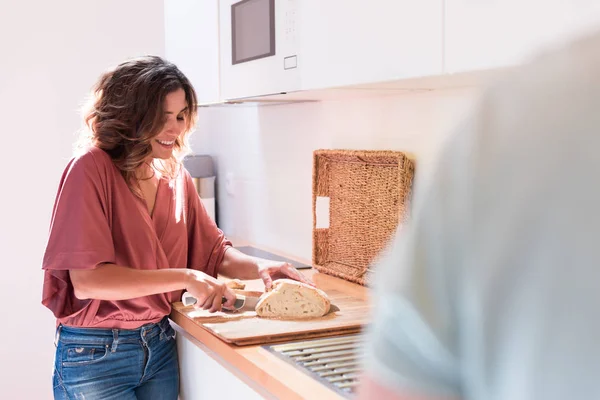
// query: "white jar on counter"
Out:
[206,189]
[202,169]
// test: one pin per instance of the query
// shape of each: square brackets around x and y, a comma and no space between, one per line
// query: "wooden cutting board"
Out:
[246,328]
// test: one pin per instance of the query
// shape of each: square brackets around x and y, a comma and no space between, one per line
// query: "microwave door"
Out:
[252,30]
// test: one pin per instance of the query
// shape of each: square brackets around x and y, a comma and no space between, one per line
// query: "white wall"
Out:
[268,150]
[50,55]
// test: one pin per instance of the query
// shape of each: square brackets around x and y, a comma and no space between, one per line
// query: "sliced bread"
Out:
[291,299]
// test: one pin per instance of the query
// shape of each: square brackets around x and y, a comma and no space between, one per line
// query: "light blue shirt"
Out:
[492,289]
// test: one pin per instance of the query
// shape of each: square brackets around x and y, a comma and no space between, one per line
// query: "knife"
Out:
[242,303]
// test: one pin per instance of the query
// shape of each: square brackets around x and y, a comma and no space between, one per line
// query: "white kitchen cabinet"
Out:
[203,377]
[499,33]
[332,43]
[192,43]
[345,42]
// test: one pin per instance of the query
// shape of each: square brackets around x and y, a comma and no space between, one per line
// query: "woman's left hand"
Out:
[273,270]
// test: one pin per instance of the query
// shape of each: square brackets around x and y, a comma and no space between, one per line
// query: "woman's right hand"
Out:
[208,291]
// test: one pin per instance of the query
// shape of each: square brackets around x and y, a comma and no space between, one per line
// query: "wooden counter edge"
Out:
[258,368]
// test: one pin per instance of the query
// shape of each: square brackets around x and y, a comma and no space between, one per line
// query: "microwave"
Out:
[258,46]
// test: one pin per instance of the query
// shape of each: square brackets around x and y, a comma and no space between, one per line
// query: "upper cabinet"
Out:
[500,33]
[346,42]
[240,49]
[280,46]
[192,43]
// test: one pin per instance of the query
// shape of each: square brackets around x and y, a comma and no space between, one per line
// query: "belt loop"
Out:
[163,330]
[57,335]
[115,340]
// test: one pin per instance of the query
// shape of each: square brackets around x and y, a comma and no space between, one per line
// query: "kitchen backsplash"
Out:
[263,154]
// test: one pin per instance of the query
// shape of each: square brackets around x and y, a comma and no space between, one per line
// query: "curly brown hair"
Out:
[126,111]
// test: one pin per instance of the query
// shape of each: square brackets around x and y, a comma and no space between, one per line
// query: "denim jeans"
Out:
[116,363]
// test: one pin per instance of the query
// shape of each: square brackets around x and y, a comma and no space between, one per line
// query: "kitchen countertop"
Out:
[260,369]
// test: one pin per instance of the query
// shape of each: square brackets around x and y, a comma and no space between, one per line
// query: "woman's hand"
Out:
[208,291]
[236,264]
[273,270]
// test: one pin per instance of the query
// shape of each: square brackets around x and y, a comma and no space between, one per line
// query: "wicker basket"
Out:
[369,193]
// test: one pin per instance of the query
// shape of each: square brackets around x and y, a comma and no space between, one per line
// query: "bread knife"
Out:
[242,303]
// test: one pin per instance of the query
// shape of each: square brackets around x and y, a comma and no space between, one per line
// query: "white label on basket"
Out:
[322,211]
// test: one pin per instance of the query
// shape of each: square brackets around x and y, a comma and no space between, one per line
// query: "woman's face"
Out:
[175,113]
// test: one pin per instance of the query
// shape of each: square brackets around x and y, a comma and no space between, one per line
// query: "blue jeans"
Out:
[116,363]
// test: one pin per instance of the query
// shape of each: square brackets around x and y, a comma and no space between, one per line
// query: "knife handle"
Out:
[187,299]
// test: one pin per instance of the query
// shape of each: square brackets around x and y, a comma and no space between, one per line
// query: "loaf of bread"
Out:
[290,299]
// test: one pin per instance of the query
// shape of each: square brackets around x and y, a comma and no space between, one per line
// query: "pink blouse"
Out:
[97,219]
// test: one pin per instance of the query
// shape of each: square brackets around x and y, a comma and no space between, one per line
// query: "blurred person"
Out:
[492,289]
[128,234]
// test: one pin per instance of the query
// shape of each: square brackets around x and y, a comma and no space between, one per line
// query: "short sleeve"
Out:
[80,235]
[413,343]
[207,243]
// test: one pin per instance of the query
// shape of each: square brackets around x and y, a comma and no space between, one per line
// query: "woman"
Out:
[128,235]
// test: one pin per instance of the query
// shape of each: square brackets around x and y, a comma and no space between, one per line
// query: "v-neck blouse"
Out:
[97,219]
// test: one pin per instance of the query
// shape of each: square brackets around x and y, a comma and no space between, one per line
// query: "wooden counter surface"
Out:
[263,371]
